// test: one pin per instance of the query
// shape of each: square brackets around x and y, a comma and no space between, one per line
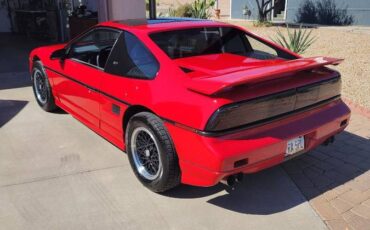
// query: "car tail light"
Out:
[263,109]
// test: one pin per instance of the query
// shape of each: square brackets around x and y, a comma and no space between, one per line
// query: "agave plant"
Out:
[298,41]
[201,8]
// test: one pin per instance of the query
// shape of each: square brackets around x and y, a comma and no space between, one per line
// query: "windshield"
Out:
[214,40]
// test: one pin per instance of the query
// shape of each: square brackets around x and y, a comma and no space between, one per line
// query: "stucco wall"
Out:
[121,9]
[360,9]
[237,7]
[163,5]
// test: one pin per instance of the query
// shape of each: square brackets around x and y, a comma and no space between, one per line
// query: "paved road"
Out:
[336,178]
[57,174]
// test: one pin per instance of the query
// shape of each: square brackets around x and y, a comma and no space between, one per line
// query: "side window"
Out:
[131,58]
[94,48]
[233,42]
[260,50]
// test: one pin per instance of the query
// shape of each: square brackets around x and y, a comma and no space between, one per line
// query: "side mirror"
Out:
[59,54]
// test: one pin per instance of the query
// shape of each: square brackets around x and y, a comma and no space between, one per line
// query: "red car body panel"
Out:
[212,158]
[253,71]
[186,101]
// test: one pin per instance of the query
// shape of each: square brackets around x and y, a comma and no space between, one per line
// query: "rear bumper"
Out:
[204,161]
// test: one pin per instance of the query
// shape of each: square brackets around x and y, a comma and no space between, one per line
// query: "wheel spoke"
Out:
[146,154]
[40,87]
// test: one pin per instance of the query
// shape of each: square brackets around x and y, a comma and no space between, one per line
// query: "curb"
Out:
[357,108]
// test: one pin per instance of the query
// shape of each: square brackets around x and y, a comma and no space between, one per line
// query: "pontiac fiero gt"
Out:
[191,101]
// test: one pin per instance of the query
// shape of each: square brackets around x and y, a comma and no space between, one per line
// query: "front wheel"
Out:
[41,88]
[151,153]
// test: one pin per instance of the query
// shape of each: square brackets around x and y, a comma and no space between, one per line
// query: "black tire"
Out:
[170,175]
[47,102]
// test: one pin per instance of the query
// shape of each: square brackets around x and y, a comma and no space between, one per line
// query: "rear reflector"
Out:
[240,163]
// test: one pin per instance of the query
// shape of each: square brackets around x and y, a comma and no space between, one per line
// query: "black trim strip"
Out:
[89,87]
[211,124]
[268,96]
[207,133]
[86,63]
[254,124]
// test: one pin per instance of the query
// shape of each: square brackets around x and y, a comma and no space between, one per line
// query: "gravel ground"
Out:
[351,43]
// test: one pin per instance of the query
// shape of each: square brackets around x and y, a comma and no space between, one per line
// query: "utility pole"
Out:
[152,9]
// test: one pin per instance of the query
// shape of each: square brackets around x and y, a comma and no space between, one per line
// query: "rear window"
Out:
[214,40]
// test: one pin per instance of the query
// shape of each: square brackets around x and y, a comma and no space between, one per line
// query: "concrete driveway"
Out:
[57,174]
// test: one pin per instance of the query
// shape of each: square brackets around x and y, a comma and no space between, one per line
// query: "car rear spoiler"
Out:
[214,85]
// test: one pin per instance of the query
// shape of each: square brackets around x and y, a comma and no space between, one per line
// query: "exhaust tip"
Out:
[328,141]
[232,180]
[239,177]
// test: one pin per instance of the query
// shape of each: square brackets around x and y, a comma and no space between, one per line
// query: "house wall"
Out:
[164,5]
[360,9]
[224,5]
[237,7]
[121,9]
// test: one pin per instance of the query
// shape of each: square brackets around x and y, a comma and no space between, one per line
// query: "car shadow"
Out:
[9,109]
[283,187]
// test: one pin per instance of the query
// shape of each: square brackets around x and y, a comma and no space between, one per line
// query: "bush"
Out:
[323,12]
[298,41]
[259,23]
[201,8]
[181,11]
[329,14]
[307,13]
[197,9]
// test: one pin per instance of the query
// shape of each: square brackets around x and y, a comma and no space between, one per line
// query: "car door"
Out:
[127,74]
[81,72]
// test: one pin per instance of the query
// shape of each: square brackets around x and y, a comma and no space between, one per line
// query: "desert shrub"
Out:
[329,14]
[307,13]
[181,11]
[201,8]
[297,41]
[323,12]
[260,23]
[197,9]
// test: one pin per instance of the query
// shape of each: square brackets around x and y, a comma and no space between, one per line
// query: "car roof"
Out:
[160,24]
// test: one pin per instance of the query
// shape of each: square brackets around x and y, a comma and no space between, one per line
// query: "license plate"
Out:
[294,146]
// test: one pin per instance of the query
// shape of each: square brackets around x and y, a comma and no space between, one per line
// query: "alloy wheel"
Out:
[146,155]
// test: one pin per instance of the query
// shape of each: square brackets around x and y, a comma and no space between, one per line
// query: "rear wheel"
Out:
[41,88]
[151,153]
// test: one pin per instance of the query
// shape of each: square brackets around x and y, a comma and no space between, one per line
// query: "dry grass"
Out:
[350,43]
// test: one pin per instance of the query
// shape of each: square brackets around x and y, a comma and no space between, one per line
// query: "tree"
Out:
[264,8]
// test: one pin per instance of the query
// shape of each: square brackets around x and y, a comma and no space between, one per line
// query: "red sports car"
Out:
[191,101]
